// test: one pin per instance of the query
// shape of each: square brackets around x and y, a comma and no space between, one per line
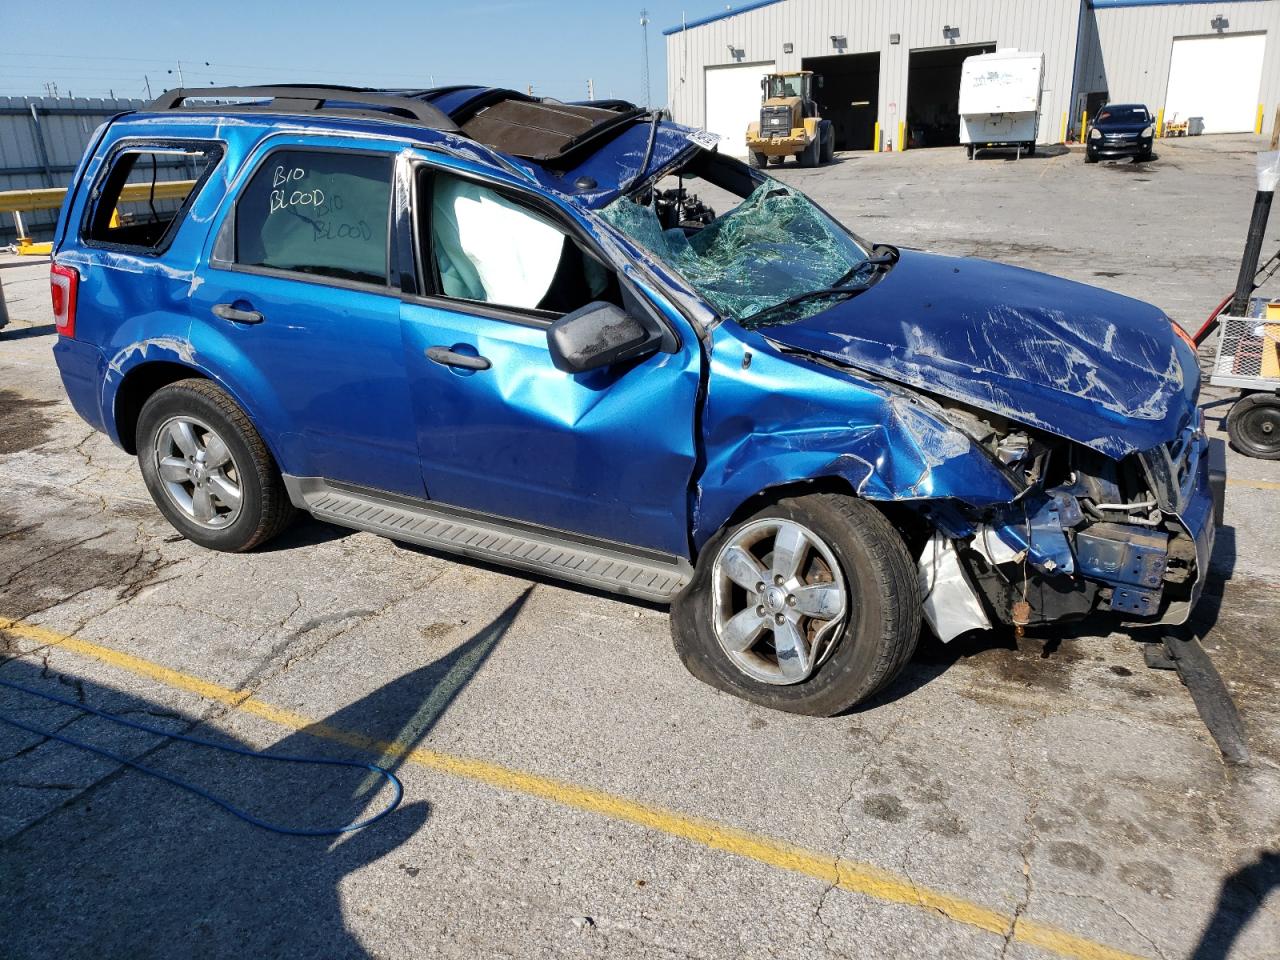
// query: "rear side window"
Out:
[145,193]
[320,213]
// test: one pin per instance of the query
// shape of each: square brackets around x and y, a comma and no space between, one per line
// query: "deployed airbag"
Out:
[490,249]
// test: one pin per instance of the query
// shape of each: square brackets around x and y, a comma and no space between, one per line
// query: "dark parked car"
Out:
[1120,130]
[477,321]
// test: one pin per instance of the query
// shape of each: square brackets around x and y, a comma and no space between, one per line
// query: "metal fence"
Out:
[41,142]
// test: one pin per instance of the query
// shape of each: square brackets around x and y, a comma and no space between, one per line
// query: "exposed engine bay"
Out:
[1086,533]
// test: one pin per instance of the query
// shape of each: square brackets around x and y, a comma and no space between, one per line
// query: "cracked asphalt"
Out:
[569,790]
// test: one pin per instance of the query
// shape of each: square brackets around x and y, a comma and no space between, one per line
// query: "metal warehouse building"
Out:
[891,68]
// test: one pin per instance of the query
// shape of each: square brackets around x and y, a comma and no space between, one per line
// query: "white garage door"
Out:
[733,101]
[1218,78]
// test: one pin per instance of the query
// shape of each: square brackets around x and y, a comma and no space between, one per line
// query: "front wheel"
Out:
[1254,426]
[207,468]
[758,160]
[811,154]
[810,606]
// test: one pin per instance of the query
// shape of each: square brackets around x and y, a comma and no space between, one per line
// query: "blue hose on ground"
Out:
[200,791]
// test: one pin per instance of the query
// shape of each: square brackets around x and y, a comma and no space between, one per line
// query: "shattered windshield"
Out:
[749,263]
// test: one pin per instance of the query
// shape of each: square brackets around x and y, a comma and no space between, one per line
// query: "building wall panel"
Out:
[1050,26]
[63,127]
[1126,50]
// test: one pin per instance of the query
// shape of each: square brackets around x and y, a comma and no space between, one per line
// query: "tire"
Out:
[863,648]
[1254,426]
[1031,149]
[811,154]
[1089,158]
[177,441]
[757,160]
[828,144]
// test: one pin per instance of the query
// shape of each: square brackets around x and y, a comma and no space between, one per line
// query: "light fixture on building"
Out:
[1220,23]
[838,41]
[950,33]
[788,48]
[895,38]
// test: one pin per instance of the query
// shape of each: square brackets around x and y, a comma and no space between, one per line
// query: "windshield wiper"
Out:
[883,260]
[820,293]
[841,288]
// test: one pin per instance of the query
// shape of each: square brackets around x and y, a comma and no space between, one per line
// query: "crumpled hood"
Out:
[1104,370]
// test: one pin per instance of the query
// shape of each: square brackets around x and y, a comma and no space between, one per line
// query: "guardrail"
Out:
[18,202]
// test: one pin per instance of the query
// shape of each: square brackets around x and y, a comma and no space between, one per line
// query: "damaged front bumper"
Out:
[1060,554]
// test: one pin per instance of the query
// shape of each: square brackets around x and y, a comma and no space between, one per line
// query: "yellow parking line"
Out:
[1256,484]
[849,875]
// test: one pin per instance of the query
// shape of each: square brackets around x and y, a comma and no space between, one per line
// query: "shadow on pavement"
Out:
[26,333]
[1241,896]
[108,862]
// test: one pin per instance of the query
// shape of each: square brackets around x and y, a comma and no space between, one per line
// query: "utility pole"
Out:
[591,90]
[644,62]
[178,63]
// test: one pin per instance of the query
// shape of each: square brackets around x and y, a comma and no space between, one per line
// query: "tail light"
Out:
[64,283]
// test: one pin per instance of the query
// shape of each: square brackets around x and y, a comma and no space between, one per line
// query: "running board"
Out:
[611,567]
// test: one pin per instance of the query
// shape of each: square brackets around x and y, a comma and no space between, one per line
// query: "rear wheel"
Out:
[828,143]
[810,606]
[1031,149]
[1254,426]
[208,470]
[758,160]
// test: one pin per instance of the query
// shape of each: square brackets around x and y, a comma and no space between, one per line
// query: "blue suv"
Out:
[515,330]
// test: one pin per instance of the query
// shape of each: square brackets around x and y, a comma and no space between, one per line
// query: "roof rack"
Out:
[309,98]
[546,131]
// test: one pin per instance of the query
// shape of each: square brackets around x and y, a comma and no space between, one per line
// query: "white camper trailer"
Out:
[1000,100]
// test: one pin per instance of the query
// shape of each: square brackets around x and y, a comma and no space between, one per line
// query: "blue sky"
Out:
[91,48]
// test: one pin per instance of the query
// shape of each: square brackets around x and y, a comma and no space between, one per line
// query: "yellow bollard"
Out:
[1084,126]
[1160,124]
[1063,138]
[902,135]
[1257,127]
[876,146]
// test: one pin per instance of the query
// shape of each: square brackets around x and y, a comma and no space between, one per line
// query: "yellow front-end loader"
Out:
[789,124]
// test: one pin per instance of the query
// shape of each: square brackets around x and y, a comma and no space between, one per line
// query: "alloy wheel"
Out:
[779,600]
[198,472]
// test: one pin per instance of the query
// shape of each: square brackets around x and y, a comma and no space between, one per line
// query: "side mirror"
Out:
[598,335]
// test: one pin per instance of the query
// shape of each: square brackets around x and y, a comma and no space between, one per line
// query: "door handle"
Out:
[229,312]
[449,358]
